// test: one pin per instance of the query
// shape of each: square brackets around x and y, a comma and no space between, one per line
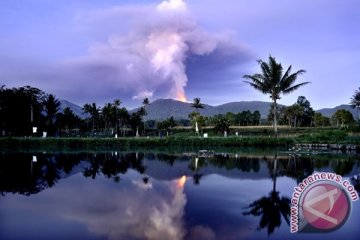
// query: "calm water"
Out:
[158,195]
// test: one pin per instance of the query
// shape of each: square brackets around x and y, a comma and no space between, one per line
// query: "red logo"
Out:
[325,206]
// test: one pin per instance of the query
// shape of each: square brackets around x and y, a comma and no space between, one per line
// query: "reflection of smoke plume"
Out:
[152,58]
[135,211]
[167,220]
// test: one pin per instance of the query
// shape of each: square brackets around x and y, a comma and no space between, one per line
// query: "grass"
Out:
[112,143]
[249,137]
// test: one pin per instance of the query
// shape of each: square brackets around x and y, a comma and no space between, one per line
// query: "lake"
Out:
[162,194]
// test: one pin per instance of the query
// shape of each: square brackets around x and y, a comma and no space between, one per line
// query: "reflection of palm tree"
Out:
[197,176]
[145,180]
[50,172]
[270,207]
[355,180]
[94,169]
[195,166]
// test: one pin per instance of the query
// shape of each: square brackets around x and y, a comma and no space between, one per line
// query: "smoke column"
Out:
[150,59]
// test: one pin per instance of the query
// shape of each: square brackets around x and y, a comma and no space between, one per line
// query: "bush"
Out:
[330,136]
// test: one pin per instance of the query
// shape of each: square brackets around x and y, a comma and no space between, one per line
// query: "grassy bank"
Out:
[327,137]
[112,143]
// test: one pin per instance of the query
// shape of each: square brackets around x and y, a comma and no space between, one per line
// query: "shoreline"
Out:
[88,143]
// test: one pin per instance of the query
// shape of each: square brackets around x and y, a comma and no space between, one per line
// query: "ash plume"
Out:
[152,58]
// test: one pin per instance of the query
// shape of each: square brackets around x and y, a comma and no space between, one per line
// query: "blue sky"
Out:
[86,51]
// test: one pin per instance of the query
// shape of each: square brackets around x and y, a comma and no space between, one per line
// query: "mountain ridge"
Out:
[161,109]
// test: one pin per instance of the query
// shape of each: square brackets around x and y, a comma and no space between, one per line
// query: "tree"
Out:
[124,118]
[172,122]
[116,109]
[272,81]
[231,117]
[342,118]
[197,104]
[146,102]
[306,118]
[52,107]
[256,116]
[196,118]
[221,124]
[355,100]
[108,115]
[280,114]
[135,120]
[68,120]
[293,113]
[94,113]
[2,110]
[21,109]
[320,120]
[166,125]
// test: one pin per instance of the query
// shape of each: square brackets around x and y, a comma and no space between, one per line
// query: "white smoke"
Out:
[151,59]
[177,5]
[143,94]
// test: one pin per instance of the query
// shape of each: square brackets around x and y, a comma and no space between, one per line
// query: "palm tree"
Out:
[355,100]
[146,102]
[93,110]
[271,207]
[107,115]
[272,81]
[116,106]
[123,118]
[67,119]
[197,104]
[355,180]
[52,107]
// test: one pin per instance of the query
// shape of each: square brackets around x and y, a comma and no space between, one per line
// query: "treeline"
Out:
[301,114]
[29,111]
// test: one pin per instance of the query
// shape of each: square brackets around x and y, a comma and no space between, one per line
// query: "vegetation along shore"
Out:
[30,117]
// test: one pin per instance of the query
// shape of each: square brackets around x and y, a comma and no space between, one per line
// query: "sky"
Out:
[100,50]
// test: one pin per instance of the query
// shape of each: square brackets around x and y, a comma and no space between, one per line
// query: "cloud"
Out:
[133,51]
[156,52]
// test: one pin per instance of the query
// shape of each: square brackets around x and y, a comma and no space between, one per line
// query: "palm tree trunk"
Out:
[144,127]
[93,126]
[274,173]
[275,119]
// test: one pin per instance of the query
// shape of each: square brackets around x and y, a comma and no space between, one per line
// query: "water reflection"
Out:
[271,208]
[146,195]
